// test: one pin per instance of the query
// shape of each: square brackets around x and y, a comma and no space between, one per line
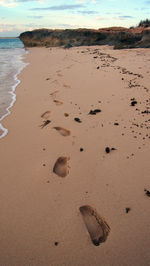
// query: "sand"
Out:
[41,223]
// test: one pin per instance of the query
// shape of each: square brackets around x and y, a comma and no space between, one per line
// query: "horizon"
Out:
[18,16]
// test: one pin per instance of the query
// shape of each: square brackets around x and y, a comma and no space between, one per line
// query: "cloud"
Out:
[87,1]
[14,3]
[84,12]
[35,17]
[5,26]
[8,3]
[125,17]
[58,8]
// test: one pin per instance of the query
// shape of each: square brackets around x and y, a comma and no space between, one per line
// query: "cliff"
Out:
[119,37]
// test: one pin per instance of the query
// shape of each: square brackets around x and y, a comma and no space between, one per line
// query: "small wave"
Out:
[13,96]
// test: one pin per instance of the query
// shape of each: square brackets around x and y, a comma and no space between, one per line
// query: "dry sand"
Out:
[40,223]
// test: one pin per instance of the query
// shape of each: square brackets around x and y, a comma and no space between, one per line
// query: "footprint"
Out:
[61,166]
[67,86]
[59,75]
[53,94]
[64,132]
[96,225]
[58,102]
[46,114]
[66,114]
[45,123]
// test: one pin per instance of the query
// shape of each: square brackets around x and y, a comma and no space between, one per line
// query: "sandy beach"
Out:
[78,135]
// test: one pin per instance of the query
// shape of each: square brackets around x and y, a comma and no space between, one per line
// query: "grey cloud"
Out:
[124,17]
[57,8]
[84,12]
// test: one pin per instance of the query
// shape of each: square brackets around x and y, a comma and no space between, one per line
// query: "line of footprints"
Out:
[96,226]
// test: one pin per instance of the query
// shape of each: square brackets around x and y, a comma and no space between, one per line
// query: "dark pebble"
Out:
[94,112]
[133,103]
[81,149]
[56,243]
[77,119]
[107,149]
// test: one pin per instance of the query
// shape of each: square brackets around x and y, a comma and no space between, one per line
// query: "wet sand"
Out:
[78,135]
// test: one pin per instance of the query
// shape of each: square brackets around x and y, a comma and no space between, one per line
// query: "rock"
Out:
[120,37]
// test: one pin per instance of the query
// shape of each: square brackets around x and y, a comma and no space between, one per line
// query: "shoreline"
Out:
[73,104]
[12,92]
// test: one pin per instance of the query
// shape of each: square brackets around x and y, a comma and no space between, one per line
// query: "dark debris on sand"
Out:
[94,112]
[133,103]
[107,150]
[128,209]
[81,149]
[77,120]
[147,192]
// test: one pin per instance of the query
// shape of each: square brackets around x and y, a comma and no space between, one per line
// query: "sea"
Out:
[12,52]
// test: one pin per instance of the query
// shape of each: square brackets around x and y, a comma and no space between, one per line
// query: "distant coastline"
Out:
[9,37]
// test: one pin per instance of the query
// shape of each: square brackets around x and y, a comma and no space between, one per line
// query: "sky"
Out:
[17,16]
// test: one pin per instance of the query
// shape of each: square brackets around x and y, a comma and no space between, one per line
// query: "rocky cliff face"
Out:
[120,38]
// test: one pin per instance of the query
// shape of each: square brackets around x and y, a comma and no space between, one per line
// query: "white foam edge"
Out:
[12,92]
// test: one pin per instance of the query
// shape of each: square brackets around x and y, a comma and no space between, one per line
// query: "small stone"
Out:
[56,243]
[81,149]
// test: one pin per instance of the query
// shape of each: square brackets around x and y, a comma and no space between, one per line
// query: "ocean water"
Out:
[11,63]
